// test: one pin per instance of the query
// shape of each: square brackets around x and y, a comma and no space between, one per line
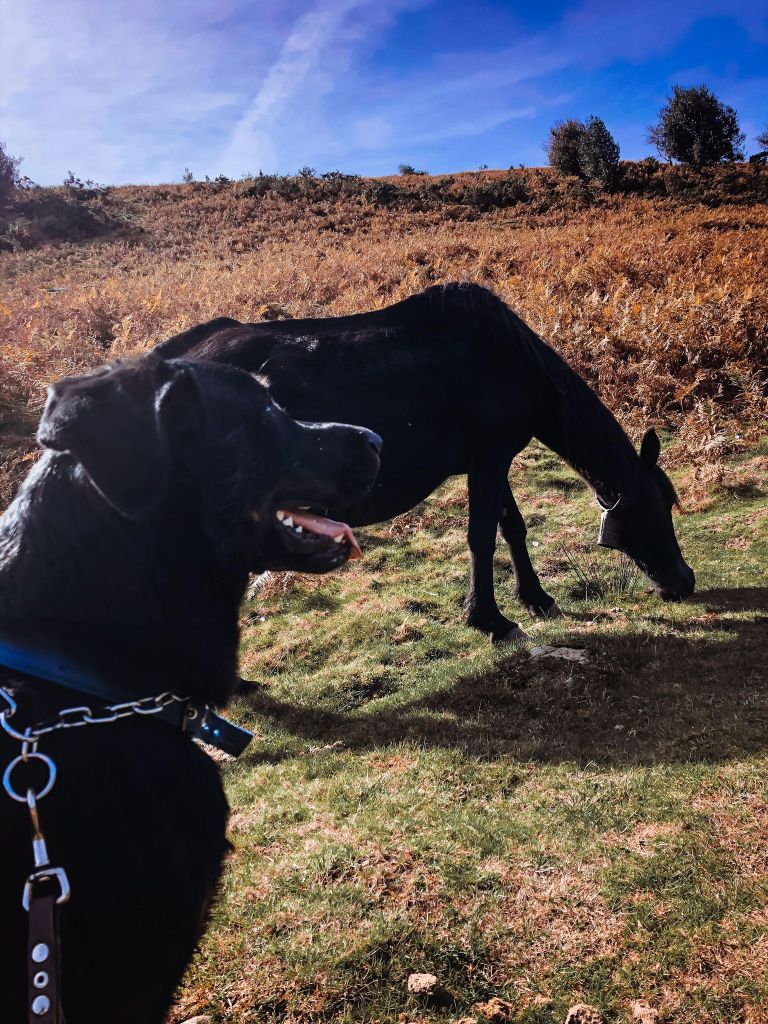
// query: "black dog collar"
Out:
[195,718]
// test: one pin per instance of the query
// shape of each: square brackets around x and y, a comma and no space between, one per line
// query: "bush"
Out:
[598,152]
[407,169]
[495,195]
[695,128]
[382,193]
[79,188]
[563,146]
[583,150]
[337,184]
[9,174]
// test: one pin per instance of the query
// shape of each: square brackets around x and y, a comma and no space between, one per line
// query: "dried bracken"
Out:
[660,305]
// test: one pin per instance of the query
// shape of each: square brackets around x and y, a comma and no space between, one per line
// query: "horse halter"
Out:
[610,525]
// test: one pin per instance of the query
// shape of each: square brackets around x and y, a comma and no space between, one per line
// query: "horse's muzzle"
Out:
[681,588]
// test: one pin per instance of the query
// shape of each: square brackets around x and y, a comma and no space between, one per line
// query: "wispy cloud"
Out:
[303,54]
[314,56]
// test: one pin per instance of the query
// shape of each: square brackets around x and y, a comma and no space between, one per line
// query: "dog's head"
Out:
[203,449]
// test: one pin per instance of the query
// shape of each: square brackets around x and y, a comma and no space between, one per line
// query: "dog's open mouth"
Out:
[306,533]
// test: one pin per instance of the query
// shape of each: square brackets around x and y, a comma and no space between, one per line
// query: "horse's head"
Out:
[640,525]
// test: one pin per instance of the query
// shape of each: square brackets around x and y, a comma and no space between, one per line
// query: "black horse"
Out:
[455,383]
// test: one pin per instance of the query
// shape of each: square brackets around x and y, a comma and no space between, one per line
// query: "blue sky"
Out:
[136,92]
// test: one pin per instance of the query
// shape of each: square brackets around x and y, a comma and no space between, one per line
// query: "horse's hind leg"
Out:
[486,489]
[529,588]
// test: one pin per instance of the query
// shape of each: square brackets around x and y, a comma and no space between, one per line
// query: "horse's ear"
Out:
[110,422]
[650,448]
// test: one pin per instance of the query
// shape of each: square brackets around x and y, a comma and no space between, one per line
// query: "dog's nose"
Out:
[374,441]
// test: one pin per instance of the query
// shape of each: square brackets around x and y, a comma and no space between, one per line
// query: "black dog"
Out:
[456,383]
[124,559]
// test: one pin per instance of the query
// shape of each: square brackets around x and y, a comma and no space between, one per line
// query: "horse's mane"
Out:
[582,430]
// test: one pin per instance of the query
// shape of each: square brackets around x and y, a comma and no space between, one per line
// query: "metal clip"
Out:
[44,875]
[44,870]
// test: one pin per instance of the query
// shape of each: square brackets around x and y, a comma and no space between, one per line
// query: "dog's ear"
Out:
[111,422]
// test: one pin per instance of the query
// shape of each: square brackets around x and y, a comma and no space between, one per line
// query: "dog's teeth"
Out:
[339,539]
[299,529]
[288,521]
[280,516]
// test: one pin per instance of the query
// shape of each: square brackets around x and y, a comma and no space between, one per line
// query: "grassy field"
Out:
[536,830]
[533,830]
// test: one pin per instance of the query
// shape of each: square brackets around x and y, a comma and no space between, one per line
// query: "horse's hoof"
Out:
[513,636]
[554,612]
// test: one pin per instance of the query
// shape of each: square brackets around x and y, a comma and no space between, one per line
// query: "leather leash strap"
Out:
[44,964]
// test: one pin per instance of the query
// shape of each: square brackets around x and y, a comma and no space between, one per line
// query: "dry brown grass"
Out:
[661,306]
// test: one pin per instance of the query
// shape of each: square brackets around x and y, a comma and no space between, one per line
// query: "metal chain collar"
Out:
[72,718]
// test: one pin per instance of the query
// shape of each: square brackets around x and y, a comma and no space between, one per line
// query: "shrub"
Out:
[495,195]
[219,183]
[598,152]
[382,193]
[79,188]
[562,147]
[695,128]
[408,169]
[9,174]
[335,184]
[187,177]
[649,165]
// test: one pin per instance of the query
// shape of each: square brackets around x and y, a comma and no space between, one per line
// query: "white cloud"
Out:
[110,90]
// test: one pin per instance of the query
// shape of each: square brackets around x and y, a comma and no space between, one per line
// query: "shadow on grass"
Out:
[641,699]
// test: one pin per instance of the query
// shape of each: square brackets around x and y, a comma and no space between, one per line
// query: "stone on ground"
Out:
[583,1013]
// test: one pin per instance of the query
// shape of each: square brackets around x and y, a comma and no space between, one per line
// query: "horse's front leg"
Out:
[529,589]
[486,488]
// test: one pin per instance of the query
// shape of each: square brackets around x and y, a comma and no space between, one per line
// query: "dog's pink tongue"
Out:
[328,528]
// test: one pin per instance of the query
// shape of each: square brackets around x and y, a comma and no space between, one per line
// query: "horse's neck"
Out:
[588,437]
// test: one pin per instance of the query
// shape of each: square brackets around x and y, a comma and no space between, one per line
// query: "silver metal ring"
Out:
[22,799]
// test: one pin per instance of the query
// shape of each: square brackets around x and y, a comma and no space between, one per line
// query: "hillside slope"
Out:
[531,830]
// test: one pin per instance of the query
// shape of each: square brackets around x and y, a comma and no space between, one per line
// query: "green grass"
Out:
[417,801]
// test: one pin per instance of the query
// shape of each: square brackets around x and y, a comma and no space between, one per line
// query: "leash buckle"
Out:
[43,875]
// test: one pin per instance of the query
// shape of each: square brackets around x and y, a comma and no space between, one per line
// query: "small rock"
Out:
[495,1009]
[422,984]
[643,1012]
[583,1013]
